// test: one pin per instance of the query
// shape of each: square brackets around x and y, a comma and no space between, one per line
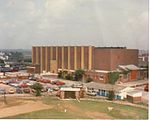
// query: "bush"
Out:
[69,77]
[60,74]
[79,74]
[111,95]
[113,77]
[37,87]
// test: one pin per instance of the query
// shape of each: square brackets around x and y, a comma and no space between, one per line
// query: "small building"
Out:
[100,76]
[134,96]
[101,89]
[131,73]
[69,93]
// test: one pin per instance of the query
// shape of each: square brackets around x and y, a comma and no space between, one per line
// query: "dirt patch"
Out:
[27,106]
[97,115]
[126,112]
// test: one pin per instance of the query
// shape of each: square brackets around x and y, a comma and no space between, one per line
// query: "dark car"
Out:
[19,91]
[26,90]
[2,91]
[33,78]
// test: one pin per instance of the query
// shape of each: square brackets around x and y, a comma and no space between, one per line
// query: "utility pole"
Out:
[5,101]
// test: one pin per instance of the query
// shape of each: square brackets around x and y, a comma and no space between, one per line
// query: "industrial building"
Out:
[89,58]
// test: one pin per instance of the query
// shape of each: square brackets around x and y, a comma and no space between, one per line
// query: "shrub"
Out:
[111,95]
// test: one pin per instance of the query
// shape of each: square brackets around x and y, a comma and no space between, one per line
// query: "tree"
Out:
[1,61]
[69,77]
[79,74]
[60,74]
[113,77]
[111,95]
[37,87]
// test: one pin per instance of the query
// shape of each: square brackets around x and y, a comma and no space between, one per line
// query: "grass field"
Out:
[85,109]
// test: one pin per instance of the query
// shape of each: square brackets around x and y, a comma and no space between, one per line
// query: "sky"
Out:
[102,23]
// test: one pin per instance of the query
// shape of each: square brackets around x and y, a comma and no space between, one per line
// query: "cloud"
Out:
[74,22]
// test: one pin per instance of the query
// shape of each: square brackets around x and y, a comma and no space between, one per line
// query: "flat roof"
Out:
[134,83]
[133,92]
[103,86]
[129,67]
[69,89]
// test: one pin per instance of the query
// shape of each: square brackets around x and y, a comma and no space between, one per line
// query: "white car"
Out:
[92,93]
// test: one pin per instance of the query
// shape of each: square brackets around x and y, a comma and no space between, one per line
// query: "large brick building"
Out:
[52,58]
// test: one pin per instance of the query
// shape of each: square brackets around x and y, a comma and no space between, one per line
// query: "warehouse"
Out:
[52,58]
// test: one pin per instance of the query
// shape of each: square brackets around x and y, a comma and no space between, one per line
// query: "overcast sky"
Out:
[24,23]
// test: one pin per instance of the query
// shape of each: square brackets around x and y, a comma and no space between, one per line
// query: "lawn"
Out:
[85,109]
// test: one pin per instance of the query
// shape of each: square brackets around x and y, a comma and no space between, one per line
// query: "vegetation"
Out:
[111,95]
[16,56]
[60,74]
[113,77]
[89,79]
[37,87]
[91,109]
[1,61]
[79,74]
[69,77]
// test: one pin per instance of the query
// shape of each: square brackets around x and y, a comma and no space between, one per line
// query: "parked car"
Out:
[56,88]
[91,93]
[2,91]
[33,78]
[14,85]
[59,83]
[50,90]
[23,85]
[11,91]
[6,82]
[26,90]
[19,90]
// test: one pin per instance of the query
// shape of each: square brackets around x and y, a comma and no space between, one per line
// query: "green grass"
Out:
[78,110]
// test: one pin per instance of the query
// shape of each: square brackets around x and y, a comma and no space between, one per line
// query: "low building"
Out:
[104,89]
[134,96]
[97,75]
[69,93]
[131,73]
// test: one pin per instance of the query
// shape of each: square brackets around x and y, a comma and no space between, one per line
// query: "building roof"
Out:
[129,67]
[135,83]
[69,89]
[102,71]
[134,92]
[111,47]
[104,86]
